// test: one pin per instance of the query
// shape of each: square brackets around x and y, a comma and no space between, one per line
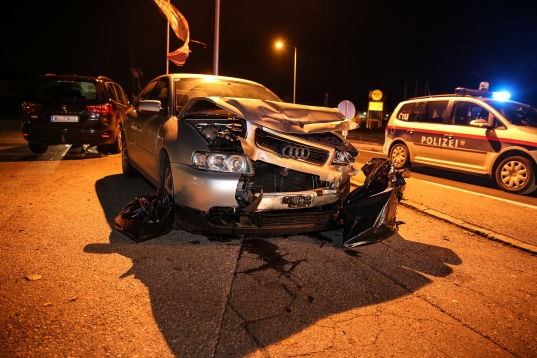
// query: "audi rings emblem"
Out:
[295,152]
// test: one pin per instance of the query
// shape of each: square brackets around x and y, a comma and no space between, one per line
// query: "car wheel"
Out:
[166,177]
[516,175]
[117,146]
[38,148]
[399,156]
[126,165]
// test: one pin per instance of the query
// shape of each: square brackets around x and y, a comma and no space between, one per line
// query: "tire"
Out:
[516,175]
[38,148]
[399,156]
[166,177]
[126,165]
[117,146]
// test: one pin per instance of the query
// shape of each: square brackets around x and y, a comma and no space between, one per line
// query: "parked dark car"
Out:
[70,109]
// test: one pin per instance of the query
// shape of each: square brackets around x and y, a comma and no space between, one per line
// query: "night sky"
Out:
[345,47]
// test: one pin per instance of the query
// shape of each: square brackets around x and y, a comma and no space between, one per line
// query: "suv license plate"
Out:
[64,118]
[297,201]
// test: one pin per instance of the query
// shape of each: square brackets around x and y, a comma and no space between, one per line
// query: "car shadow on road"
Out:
[21,153]
[212,297]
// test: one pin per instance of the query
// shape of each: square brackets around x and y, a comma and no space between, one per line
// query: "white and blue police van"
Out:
[473,131]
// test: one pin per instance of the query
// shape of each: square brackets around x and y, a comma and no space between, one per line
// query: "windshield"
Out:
[516,113]
[187,88]
[55,88]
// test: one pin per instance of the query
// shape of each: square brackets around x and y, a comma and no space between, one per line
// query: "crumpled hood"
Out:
[283,116]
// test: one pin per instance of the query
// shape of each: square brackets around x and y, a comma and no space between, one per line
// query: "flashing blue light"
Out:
[501,95]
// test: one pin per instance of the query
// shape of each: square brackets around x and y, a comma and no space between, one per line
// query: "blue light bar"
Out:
[501,95]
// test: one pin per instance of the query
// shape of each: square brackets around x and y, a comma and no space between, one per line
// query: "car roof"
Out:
[198,75]
[82,77]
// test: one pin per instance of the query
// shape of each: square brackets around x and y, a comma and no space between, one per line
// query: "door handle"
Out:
[448,136]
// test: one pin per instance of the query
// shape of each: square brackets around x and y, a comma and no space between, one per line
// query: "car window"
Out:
[121,96]
[160,93]
[147,90]
[425,112]
[517,113]
[188,88]
[465,112]
[111,92]
[55,88]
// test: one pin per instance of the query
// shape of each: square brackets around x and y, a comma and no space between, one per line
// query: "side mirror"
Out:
[149,106]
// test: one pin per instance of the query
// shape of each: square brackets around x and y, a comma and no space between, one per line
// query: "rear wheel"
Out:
[516,175]
[126,166]
[117,146]
[38,148]
[399,156]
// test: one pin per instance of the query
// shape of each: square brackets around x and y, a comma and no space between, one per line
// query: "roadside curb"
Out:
[464,225]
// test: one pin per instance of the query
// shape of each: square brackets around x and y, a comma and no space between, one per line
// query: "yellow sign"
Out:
[376,106]
[376,95]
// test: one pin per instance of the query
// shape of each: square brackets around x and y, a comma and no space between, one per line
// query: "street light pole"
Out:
[294,81]
[280,45]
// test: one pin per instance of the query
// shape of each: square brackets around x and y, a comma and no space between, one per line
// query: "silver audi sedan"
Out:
[237,160]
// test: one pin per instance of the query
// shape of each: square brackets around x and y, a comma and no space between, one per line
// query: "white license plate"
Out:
[64,118]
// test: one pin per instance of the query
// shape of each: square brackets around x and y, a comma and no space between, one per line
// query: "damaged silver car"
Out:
[237,160]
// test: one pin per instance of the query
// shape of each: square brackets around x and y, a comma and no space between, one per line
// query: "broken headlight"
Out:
[343,157]
[222,162]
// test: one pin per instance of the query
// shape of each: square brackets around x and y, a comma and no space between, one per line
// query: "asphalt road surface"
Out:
[70,285]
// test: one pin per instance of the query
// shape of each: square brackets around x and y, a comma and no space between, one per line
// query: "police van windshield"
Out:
[516,113]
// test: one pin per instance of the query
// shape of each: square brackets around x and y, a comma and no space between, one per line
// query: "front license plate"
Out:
[297,201]
[64,118]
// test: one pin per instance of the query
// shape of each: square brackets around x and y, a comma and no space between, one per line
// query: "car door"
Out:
[466,146]
[425,131]
[133,123]
[149,124]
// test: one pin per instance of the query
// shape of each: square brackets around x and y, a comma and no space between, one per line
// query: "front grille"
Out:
[275,144]
[274,179]
[293,218]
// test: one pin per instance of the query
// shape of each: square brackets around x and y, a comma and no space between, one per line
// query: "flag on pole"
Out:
[180,28]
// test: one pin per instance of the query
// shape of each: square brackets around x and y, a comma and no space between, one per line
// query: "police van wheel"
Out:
[516,175]
[399,156]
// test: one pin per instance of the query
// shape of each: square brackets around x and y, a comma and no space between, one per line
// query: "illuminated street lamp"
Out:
[280,45]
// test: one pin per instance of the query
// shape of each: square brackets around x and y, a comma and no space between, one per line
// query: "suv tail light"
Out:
[30,107]
[105,108]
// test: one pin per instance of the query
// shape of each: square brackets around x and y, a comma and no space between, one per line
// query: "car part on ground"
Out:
[146,217]
[243,162]
[70,109]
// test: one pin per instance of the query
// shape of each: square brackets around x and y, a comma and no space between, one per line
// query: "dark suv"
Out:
[70,109]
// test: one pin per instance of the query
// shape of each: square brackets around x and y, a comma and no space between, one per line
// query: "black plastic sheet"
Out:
[146,217]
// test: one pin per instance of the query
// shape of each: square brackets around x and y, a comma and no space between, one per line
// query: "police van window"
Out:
[465,112]
[433,112]
[516,113]
[405,112]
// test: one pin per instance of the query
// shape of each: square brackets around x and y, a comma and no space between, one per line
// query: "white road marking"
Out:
[483,195]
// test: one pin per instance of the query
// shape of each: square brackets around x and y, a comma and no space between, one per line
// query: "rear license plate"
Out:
[297,201]
[64,118]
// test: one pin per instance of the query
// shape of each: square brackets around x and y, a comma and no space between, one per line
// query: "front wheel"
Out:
[38,148]
[516,175]
[399,156]
[166,177]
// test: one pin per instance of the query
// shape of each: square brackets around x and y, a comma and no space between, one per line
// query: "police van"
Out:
[473,131]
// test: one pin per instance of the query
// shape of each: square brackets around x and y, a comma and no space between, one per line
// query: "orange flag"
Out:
[179,27]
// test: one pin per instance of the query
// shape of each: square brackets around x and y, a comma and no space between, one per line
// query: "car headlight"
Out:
[222,162]
[343,157]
